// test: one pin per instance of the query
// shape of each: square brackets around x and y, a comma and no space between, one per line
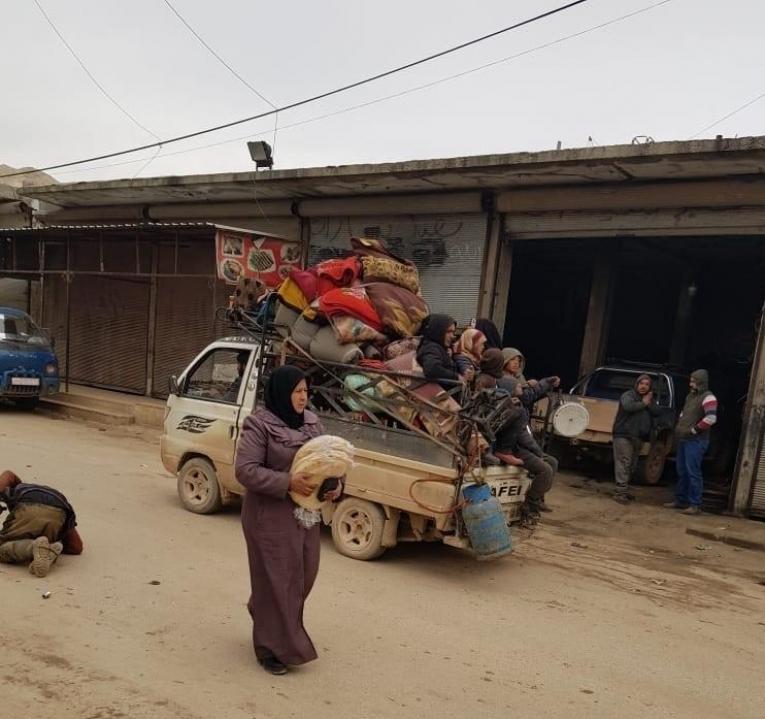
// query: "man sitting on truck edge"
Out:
[632,427]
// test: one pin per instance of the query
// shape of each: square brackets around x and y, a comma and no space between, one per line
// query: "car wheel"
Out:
[198,487]
[650,468]
[357,529]
[28,404]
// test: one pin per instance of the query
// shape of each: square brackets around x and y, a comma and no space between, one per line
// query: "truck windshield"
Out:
[612,383]
[19,329]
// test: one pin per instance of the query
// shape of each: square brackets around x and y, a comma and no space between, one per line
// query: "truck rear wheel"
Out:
[198,487]
[650,468]
[357,529]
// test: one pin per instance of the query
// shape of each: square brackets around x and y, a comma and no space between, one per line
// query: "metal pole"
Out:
[152,328]
[68,311]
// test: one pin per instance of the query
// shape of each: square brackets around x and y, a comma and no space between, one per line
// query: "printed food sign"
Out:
[255,256]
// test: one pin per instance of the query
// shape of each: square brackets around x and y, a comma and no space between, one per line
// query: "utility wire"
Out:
[730,114]
[402,93]
[217,56]
[91,76]
[308,100]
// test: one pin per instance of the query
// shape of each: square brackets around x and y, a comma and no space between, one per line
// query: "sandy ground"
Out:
[606,611]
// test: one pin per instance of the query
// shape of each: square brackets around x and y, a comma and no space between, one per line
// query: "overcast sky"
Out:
[666,73]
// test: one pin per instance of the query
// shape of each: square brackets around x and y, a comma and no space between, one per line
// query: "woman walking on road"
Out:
[283,553]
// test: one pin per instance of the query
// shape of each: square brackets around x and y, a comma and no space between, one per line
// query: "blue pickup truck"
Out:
[28,365]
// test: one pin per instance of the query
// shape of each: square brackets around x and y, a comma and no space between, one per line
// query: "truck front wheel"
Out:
[198,487]
[28,404]
[357,529]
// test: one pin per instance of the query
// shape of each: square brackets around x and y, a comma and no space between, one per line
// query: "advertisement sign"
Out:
[255,256]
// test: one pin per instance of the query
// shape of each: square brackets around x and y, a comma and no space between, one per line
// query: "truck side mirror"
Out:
[172,384]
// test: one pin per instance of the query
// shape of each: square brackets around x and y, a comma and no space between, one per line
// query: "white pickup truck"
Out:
[404,487]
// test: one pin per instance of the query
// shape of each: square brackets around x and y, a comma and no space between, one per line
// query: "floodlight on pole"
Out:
[260,152]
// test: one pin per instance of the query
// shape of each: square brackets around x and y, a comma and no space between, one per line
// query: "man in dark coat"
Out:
[632,427]
[694,426]
[516,438]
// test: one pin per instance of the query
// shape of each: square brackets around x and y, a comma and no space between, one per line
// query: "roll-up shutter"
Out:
[447,249]
[108,326]
[54,315]
[185,324]
[758,492]
[14,293]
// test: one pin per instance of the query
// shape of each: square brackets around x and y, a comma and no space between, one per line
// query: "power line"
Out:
[730,114]
[216,55]
[402,93]
[306,101]
[90,75]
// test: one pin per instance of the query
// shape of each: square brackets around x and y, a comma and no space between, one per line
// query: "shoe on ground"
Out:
[509,459]
[674,505]
[621,498]
[44,556]
[543,507]
[489,460]
[691,510]
[273,666]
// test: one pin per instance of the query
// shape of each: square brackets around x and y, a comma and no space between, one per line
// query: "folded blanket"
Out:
[351,329]
[340,272]
[351,301]
[306,280]
[291,295]
[384,269]
[400,311]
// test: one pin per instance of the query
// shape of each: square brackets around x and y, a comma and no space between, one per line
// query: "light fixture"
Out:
[260,152]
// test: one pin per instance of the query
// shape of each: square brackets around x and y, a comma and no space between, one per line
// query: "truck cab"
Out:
[28,365]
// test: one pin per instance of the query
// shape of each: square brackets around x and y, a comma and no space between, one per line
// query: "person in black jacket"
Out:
[434,355]
[632,427]
[516,438]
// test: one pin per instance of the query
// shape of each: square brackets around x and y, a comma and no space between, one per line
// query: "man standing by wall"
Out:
[632,427]
[693,427]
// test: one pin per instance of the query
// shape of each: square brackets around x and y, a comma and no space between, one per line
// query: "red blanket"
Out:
[351,301]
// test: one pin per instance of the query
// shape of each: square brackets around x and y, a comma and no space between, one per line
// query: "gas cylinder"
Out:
[485,523]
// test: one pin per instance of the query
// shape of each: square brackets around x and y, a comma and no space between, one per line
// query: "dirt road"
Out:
[605,612]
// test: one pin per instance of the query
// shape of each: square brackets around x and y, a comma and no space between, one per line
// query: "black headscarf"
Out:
[279,391]
[434,328]
[490,331]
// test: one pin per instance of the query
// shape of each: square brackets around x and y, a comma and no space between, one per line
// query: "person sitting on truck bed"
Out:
[516,438]
[39,527]
[490,331]
[434,353]
[468,351]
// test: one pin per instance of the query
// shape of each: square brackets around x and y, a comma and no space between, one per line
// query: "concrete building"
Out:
[653,253]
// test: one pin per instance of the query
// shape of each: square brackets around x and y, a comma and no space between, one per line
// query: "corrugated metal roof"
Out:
[132,227]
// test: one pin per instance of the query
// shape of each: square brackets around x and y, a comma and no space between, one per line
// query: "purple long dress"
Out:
[283,555]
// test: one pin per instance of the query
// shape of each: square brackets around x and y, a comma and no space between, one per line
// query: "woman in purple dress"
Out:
[283,553]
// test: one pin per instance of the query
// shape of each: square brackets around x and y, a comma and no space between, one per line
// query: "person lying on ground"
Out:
[40,525]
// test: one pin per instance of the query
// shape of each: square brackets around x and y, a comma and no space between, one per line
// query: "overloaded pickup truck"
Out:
[405,487]
[599,392]
[28,366]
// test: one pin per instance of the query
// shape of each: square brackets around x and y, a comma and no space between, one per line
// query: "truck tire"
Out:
[650,468]
[357,529]
[28,404]
[198,487]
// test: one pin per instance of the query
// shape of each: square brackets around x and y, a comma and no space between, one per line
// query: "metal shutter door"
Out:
[109,323]
[758,492]
[185,324]
[447,250]
[14,293]
[54,316]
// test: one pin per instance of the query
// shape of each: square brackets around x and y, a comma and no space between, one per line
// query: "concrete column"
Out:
[502,283]
[753,430]
[486,296]
[598,312]
[683,318]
